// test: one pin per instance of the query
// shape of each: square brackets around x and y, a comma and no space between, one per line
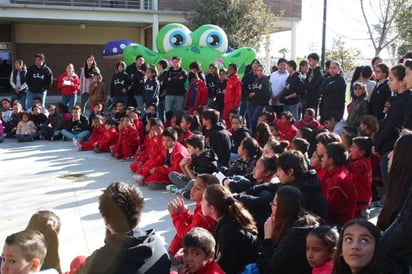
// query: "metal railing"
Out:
[115,4]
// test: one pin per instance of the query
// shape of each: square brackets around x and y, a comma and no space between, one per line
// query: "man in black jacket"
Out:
[313,83]
[39,79]
[175,86]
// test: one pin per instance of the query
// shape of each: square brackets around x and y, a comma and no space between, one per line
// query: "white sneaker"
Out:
[74,142]
[172,188]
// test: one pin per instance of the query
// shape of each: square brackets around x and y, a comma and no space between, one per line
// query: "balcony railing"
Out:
[116,4]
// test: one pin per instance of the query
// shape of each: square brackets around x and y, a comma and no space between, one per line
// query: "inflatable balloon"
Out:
[114,49]
[208,44]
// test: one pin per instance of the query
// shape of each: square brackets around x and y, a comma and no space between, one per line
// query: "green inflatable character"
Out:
[208,44]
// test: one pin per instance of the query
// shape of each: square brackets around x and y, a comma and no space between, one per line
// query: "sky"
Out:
[344,18]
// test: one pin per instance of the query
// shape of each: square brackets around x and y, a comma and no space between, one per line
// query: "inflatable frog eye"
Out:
[212,36]
[173,36]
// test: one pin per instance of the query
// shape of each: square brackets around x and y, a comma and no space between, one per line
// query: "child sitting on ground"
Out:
[183,219]
[320,248]
[97,134]
[155,175]
[199,252]
[23,252]
[108,139]
[127,143]
[26,129]
[360,167]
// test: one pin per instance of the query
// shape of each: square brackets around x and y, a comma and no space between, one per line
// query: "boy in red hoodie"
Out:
[183,219]
[156,175]
[199,253]
[109,137]
[340,195]
[128,140]
[309,120]
[360,167]
[233,93]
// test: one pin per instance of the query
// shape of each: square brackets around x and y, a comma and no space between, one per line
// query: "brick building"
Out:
[66,31]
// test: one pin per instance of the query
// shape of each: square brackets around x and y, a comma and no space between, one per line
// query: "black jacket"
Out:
[294,84]
[237,137]
[211,81]
[333,97]
[235,247]
[175,82]
[125,254]
[137,76]
[39,79]
[311,189]
[205,162]
[389,131]
[379,95]
[219,141]
[220,94]
[79,125]
[39,119]
[313,83]
[120,81]
[289,255]
[151,92]
[263,91]
[247,82]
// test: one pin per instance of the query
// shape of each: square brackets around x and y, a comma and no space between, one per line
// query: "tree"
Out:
[383,33]
[344,55]
[283,51]
[403,24]
[245,22]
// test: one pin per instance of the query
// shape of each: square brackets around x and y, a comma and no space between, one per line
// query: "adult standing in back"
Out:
[313,82]
[86,77]
[278,81]
[39,79]
[137,72]
[175,86]
[233,93]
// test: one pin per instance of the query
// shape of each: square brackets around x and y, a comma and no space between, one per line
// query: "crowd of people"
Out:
[282,179]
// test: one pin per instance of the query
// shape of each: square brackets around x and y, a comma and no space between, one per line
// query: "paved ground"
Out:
[36,175]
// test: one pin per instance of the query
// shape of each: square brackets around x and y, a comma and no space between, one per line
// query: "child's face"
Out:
[151,110]
[262,119]
[36,111]
[395,84]
[327,162]
[107,126]
[359,90]
[317,253]
[356,152]
[267,152]
[222,76]
[119,107]
[197,190]
[284,176]
[184,124]
[194,258]
[259,171]
[320,149]
[97,108]
[283,120]
[25,118]
[235,124]
[149,74]
[315,161]
[307,117]
[192,150]
[168,142]
[358,247]
[126,123]
[13,261]
[274,206]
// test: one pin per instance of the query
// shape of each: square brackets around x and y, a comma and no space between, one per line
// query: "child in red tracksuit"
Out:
[156,176]
[109,137]
[199,253]
[341,197]
[152,146]
[97,134]
[287,131]
[128,140]
[138,124]
[183,219]
[233,93]
[361,169]
[197,94]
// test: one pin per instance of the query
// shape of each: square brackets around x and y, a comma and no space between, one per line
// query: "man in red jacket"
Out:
[233,93]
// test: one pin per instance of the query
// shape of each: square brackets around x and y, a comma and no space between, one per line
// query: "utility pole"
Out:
[322,59]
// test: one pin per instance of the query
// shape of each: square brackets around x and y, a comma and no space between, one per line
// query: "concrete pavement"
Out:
[54,175]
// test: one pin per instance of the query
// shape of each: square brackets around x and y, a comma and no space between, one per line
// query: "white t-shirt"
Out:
[278,82]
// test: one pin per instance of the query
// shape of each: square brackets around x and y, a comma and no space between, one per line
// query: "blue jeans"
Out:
[139,104]
[244,107]
[47,132]
[294,109]
[69,100]
[21,97]
[161,111]
[32,95]
[384,170]
[78,135]
[255,111]
[174,102]
[84,99]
